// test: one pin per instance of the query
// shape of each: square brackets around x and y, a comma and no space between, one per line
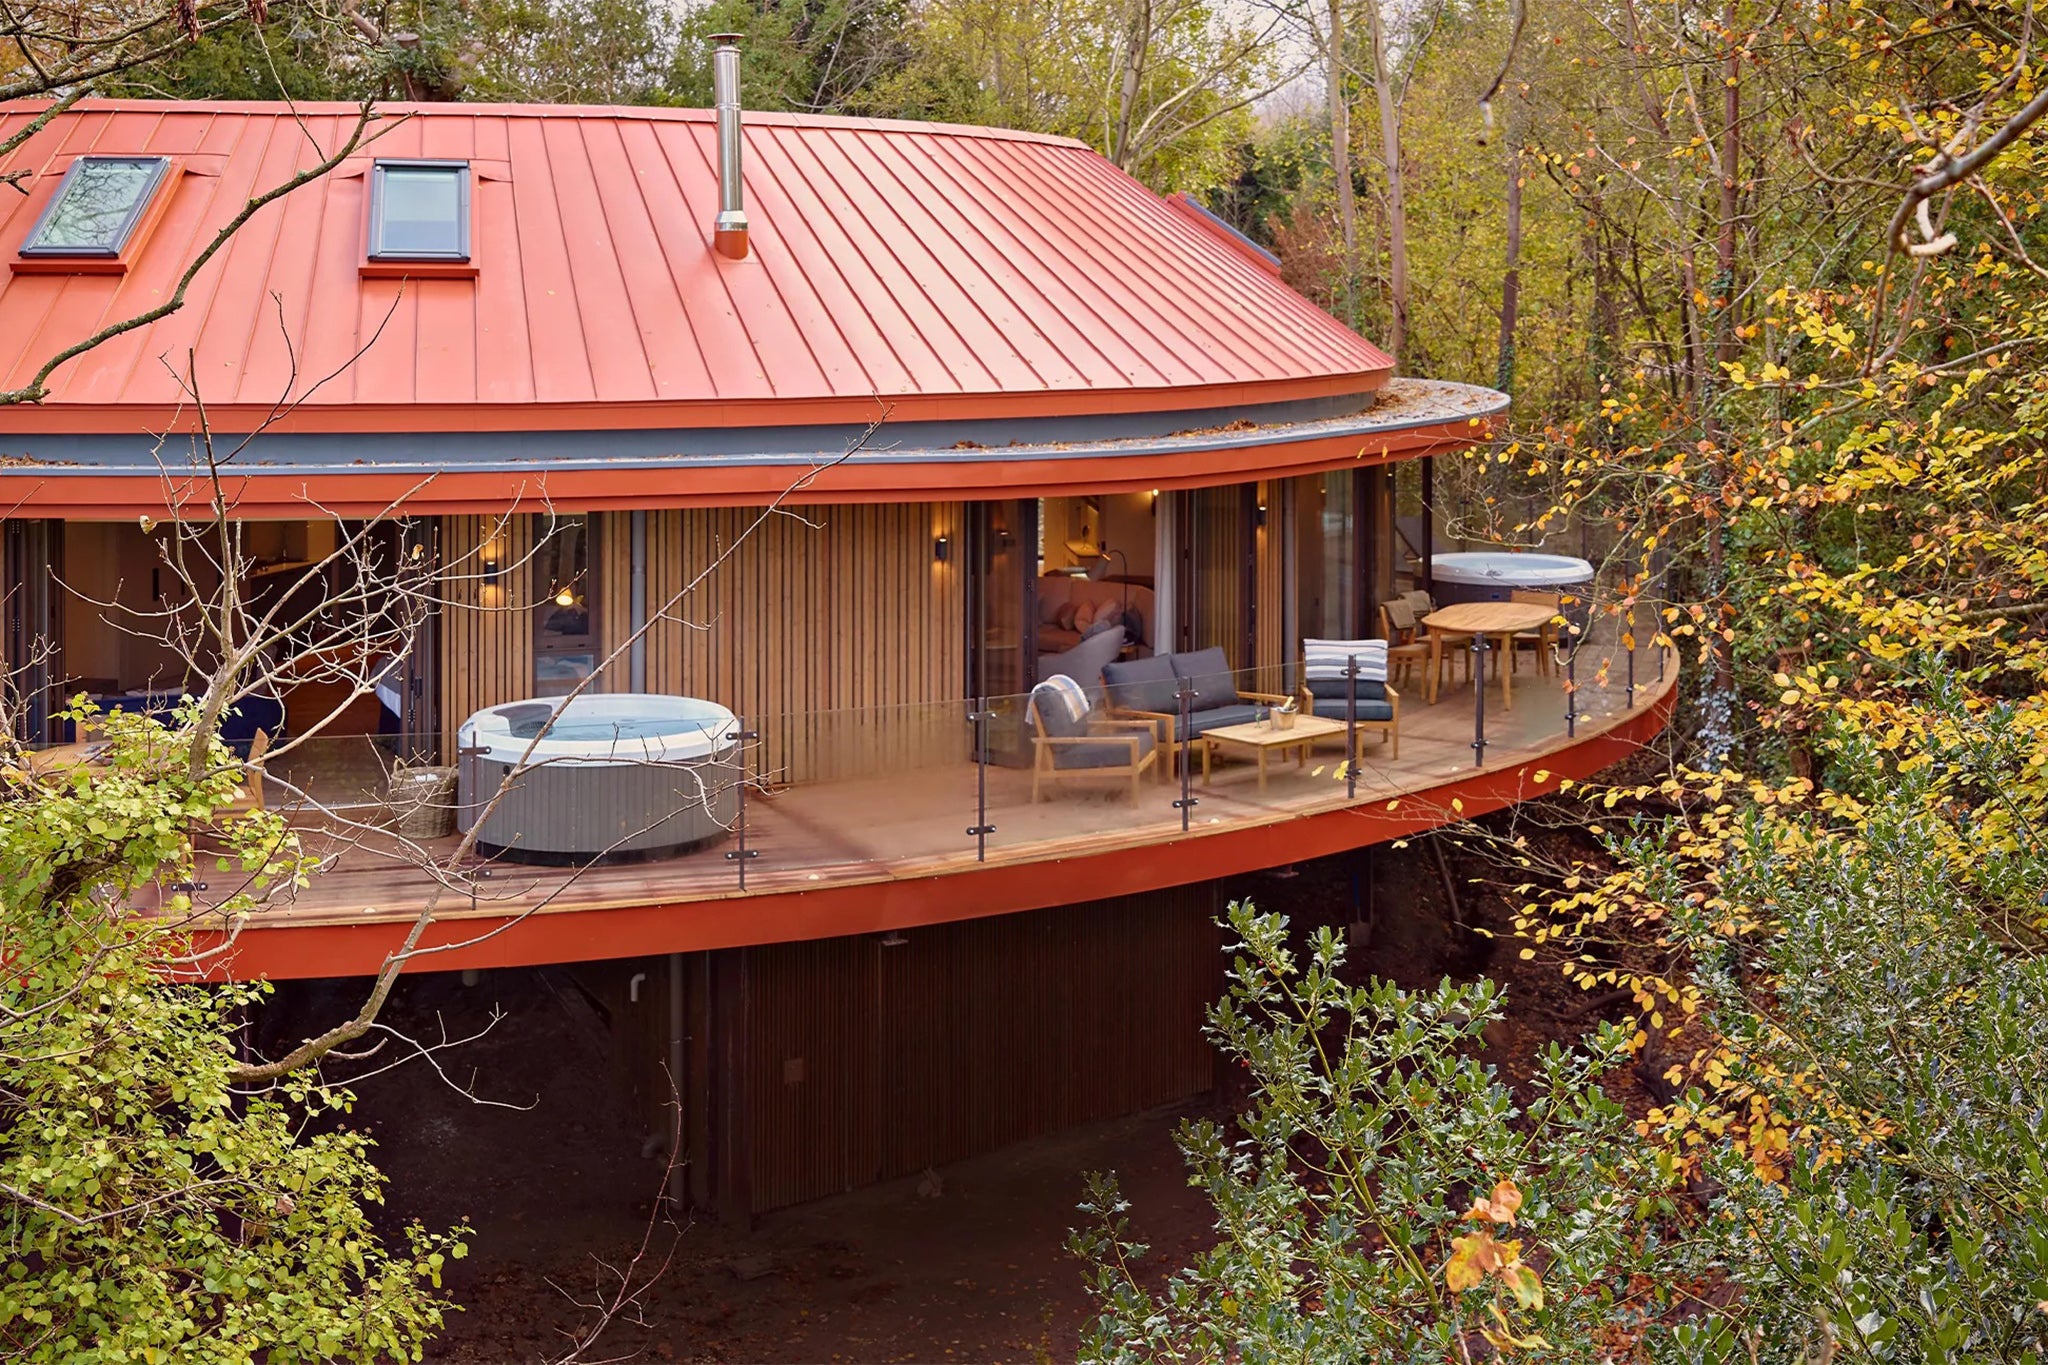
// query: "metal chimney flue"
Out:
[729,234]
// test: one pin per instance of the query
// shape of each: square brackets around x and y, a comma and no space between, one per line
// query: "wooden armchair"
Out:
[1093,746]
[1366,700]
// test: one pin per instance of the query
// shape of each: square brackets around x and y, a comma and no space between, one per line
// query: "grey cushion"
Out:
[1336,708]
[1103,755]
[1084,663]
[1336,687]
[1053,717]
[1201,722]
[1143,684]
[1208,671]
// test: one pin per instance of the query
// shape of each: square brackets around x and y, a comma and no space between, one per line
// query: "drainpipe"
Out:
[730,230]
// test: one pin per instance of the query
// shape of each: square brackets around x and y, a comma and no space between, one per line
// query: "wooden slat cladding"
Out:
[867,1062]
[487,626]
[1269,587]
[831,631]
[612,534]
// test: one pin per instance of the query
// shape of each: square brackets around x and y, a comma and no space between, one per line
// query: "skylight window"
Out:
[419,211]
[96,207]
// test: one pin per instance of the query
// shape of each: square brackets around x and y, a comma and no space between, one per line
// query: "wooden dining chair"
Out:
[250,797]
[1406,649]
[1541,639]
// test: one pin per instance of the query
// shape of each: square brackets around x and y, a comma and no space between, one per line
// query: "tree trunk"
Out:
[1727,345]
[1340,161]
[1397,203]
[1510,278]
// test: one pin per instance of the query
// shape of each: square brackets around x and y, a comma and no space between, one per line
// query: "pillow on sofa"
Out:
[1208,672]
[1084,616]
[1143,684]
[1065,619]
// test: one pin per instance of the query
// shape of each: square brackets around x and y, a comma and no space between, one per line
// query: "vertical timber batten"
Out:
[830,629]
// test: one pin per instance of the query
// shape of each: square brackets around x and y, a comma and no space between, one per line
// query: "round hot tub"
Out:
[1494,575]
[607,775]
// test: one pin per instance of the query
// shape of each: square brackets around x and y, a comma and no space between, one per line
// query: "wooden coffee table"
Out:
[1263,739]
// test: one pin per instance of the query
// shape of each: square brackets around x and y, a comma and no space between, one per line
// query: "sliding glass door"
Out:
[1001,562]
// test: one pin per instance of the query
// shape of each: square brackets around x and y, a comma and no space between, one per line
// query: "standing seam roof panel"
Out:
[969,368]
[890,259]
[828,312]
[982,281]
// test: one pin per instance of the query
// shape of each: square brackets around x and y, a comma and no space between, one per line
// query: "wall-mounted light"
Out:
[490,567]
[1155,502]
[942,548]
[1261,518]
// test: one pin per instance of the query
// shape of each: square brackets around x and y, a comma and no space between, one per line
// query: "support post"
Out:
[678,1080]
[730,1145]
[1428,463]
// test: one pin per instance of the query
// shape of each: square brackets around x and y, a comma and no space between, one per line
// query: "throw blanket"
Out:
[1328,660]
[1069,694]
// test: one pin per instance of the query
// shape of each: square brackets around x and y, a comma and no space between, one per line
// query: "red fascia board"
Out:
[98,419]
[100,497]
[283,952]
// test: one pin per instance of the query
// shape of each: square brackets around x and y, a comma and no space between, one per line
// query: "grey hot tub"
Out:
[605,776]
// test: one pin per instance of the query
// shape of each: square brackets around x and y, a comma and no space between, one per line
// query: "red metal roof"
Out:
[949,271]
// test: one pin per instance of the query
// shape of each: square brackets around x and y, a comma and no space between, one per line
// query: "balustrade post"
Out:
[742,855]
[1350,728]
[981,828]
[1571,692]
[1479,648]
[1188,800]
[1631,643]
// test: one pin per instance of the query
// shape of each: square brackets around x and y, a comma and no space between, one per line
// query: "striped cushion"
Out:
[1068,693]
[1331,659]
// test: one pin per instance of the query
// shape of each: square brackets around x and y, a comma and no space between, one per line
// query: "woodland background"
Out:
[1765,280]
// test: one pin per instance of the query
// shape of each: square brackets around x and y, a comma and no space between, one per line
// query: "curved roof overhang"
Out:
[285,473]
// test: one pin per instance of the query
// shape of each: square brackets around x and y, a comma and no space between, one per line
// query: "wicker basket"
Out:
[423,801]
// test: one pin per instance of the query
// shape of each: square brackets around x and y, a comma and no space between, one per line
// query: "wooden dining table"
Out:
[1499,621]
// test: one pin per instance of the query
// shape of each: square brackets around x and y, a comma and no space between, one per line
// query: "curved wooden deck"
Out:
[892,851]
